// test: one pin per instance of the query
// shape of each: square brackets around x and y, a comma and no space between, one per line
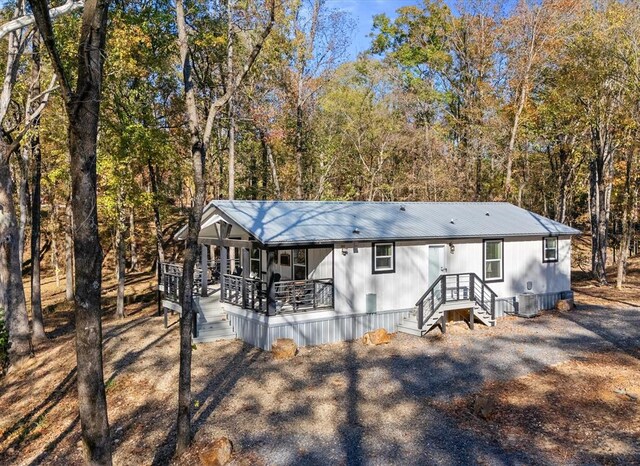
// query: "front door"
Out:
[437,264]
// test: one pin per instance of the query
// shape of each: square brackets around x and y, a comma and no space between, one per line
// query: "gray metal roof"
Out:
[312,222]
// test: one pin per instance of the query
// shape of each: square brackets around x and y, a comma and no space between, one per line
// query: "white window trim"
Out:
[545,249]
[500,260]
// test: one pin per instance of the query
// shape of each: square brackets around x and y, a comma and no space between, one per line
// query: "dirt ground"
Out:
[560,389]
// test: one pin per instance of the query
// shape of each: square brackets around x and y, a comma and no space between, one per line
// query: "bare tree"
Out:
[200,139]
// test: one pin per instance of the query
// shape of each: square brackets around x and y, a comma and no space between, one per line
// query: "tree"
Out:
[82,106]
[12,291]
[200,139]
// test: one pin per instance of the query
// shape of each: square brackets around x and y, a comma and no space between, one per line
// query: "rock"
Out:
[284,348]
[218,453]
[484,406]
[564,305]
[377,337]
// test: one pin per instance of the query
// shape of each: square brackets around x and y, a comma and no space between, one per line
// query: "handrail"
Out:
[469,291]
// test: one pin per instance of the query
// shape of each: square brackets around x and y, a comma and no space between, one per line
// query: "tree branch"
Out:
[242,74]
[33,116]
[42,17]
[28,20]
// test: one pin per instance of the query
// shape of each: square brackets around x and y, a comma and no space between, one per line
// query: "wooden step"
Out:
[410,328]
[210,337]
[220,325]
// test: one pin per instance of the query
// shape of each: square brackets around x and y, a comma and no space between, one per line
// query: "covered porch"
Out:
[247,274]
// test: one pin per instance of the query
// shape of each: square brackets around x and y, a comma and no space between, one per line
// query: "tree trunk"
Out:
[199,142]
[36,155]
[132,241]
[299,147]
[68,254]
[120,264]
[54,258]
[83,110]
[266,147]
[232,152]
[17,320]
[599,223]
[156,212]
[183,439]
[23,199]
[232,120]
[628,219]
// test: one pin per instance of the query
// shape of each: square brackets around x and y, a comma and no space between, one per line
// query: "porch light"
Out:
[344,251]
[452,248]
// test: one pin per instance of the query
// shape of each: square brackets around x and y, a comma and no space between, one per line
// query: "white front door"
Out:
[437,265]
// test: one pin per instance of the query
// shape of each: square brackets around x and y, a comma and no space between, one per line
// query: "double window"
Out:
[493,260]
[384,258]
[550,249]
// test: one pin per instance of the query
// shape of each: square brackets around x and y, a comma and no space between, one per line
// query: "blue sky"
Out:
[362,12]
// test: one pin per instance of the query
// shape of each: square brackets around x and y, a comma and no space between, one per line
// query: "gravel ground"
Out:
[351,404]
[335,404]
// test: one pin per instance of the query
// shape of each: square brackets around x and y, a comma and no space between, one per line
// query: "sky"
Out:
[362,12]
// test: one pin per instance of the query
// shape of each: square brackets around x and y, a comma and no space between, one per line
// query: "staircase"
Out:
[212,321]
[451,292]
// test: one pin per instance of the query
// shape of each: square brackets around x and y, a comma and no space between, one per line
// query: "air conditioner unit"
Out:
[527,305]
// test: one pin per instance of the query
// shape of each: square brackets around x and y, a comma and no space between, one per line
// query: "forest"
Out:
[120,120]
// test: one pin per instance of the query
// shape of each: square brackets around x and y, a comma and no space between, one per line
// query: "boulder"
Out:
[218,453]
[377,337]
[564,305]
[284,348]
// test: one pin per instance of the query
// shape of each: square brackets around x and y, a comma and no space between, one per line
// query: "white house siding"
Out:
[320,263]
[353,277]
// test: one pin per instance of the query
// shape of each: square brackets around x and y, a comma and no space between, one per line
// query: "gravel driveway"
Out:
[351,404]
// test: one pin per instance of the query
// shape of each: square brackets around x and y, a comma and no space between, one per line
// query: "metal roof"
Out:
[316,222]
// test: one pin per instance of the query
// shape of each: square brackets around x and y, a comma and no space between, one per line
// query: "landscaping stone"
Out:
[377,337]
[218,453]
[564,305]
[284,348]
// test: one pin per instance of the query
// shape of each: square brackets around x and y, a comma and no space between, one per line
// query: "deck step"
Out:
[410,323]
[210,338]
[406,327]
[220,325]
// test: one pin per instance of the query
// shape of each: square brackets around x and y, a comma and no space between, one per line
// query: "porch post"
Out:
[271,290]
[205,271]
[245,275]
[223,271]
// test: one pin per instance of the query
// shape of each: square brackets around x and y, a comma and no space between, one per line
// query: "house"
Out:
[322,272]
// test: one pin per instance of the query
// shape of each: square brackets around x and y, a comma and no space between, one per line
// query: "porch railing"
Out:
[240,291]
[297,295]
[304,294]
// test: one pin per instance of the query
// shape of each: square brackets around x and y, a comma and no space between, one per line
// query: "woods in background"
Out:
[537,105]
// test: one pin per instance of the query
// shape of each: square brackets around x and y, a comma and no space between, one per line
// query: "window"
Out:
[493,263]
[550,249]
[300,264]
[255,263]
[384,260]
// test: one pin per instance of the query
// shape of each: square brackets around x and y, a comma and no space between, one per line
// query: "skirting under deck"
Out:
[311,328]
